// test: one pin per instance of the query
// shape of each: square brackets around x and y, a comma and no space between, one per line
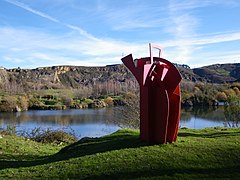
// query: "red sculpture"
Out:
[160,103]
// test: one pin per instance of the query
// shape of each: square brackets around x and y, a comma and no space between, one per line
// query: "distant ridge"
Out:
[75,77]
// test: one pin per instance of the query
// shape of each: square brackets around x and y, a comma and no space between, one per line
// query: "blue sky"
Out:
[100,32]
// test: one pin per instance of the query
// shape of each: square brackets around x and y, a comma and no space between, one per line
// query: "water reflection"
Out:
[202,117]
[99,122]
[89,122]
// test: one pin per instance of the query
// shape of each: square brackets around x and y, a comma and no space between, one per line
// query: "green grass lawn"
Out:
[207,153]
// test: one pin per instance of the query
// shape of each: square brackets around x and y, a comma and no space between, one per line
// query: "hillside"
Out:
[219,73]
[108,78]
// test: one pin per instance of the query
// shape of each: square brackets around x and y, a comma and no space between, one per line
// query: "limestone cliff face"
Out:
[66,76]
[112,76]
[3,76]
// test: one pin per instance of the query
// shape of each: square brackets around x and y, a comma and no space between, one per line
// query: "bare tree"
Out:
[129,114]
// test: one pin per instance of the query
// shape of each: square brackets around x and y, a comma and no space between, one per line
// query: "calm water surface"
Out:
[99,122]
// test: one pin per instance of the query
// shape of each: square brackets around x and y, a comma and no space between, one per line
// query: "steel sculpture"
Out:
[160,104]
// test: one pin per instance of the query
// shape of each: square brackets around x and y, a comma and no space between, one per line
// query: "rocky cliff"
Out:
[109,77]
[59,77]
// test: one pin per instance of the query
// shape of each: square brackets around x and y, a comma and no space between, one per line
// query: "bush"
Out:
[229,92]
[55,137]
[87,101]
[50,136]
[23,103]
[237,91]
[129,114]
[35,103]
[9,104]
[221,97]
[109,101]
[50,102]
[67,101]
[232,110]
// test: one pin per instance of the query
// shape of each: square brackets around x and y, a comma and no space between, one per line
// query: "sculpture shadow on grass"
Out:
[89,146]
[172,173]
[85,146]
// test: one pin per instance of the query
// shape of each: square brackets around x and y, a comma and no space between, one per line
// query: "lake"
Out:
[99,122]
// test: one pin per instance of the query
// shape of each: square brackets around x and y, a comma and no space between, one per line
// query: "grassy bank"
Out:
[206,153]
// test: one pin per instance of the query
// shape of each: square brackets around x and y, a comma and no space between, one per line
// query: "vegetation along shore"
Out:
[62,87]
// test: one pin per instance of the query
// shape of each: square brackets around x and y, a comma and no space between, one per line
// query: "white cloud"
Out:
[203,39]
[78,47]
[183,25]
[131,15]
[183,5]
[224,37]
[34,47]
[214,58]
[12,59]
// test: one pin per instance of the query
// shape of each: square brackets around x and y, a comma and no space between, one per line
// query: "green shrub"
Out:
[35,102]
[87,101]
[50,102]
[232,110]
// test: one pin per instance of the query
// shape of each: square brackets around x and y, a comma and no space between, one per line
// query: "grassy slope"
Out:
[206,153]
